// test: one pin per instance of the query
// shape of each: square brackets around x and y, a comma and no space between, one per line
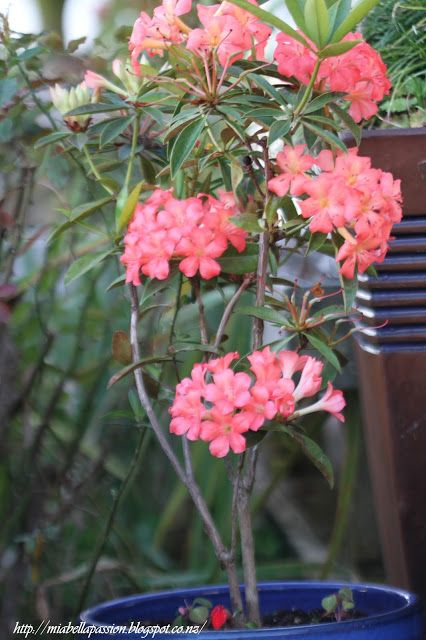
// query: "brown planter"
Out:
[392,364]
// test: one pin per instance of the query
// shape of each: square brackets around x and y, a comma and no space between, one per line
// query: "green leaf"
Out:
[247,221]
[324,350]
[264,313]
[268,88]
[28,54]
[96,107]
[329,603]
[51,138]
[278,130]
[296,11]
[73,45]
[357,14]
[326,135]
[339,11]
[8,88]
[198,615]
[118,282]
[272,20]
[80,213]
[346,594]
[315,242]
[237,175]
[184,144]
[113,129]
[348,121]
[203,602]
[316,20]
[314,452]
[320,101]
[126,212]
[238,265]
[350,288]
[83,265]
[338,49]
[136,365]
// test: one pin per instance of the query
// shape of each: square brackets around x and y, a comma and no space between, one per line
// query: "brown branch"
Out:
[27,183]
[222,553]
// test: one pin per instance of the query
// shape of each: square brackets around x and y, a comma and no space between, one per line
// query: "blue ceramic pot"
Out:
[391,614]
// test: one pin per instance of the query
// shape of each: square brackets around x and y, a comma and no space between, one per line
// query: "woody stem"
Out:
[223,554]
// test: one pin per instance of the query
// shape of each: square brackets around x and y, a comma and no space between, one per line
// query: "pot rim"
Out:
[409,604]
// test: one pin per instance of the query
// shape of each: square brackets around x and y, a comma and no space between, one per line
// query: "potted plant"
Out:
[231,162]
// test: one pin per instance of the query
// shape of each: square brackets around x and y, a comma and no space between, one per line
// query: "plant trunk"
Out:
[248,556]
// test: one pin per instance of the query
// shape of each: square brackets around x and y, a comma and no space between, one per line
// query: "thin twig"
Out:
[201,311]
[109,523]
[27,183]
[248,279]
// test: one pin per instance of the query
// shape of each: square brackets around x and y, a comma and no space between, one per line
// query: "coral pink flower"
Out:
[222,410]
[293,163]
[155,34]
[325,205]
[294,59]
[265,366]
[290,362]
[259,408]
[216,365]
[360,253]
[229,390]
[283,395]
[310,380]
[217,218]
[221,34]
[362,106]
[230,31]
[200,249]
[360,72]
[224,432]
[332,401]
[191,231]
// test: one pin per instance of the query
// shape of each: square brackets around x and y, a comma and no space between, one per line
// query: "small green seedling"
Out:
[196,613]
[338,604]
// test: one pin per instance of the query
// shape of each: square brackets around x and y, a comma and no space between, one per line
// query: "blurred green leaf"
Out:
[83,265]
[324,350]
[316,21]
[124,214]
[136,365]
[357,14]
[314,452]
[184,144]
[113,129]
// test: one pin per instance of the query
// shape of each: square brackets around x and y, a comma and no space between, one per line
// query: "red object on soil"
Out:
[218,616]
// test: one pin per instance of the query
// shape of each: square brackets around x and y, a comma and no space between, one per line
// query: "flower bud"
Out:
[65,100]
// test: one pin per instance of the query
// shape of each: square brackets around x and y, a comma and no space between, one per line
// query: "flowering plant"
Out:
[228,134]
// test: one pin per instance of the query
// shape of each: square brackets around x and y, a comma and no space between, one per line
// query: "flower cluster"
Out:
[194,231]
[360,72]
[348,196]
[226,29]
[218,405]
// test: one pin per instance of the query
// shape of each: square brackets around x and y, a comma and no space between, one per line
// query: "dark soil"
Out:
[297,617]
[294,617]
